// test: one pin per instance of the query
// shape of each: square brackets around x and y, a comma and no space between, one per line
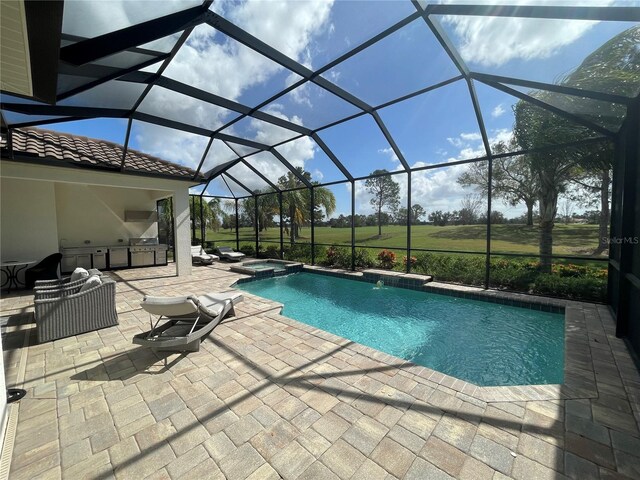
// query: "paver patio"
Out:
[269,397]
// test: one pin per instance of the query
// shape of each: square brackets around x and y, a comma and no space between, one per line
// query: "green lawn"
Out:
[568,239]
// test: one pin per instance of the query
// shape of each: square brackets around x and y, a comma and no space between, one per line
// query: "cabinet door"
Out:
[161,257]
[118,257]
[84,260]
[68,263]
[149,258]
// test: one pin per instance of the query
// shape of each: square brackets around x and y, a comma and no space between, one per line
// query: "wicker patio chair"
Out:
[47,269]
[68,311]
[63,282]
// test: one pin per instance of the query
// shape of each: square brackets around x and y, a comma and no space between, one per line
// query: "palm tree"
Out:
[210,213]
[297,203]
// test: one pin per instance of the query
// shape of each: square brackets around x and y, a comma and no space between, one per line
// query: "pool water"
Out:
[481,342]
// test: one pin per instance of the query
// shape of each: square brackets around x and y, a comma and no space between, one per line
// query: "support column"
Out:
[255,206]
[409,221]
[627,323]
[193,220]
[487,265]
[313,227]
[353,225]
[237,225]
[202,223]
[281,225]
[182,229]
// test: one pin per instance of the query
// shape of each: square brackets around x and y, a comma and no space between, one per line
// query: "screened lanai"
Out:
[482,144]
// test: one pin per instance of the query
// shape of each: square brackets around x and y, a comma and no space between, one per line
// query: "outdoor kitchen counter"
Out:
[112,256]
[91,248]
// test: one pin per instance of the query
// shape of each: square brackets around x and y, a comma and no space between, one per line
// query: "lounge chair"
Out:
[189,320]
[198,255]
[228,253]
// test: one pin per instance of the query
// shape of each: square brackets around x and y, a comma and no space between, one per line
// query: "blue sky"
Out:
[436,127]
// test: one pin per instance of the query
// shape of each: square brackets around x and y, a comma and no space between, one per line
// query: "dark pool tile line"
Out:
[419,285]
[500,298]
[336,273]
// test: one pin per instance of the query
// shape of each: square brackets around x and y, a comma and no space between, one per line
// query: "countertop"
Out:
[89,248]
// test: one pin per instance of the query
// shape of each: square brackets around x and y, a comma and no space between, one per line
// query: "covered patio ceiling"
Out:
[138,73]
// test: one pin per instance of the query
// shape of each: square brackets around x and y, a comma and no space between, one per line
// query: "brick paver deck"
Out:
[268,397]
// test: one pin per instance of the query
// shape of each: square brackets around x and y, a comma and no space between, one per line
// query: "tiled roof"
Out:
[56,146]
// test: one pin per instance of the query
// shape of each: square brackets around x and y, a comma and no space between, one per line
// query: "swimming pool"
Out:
[483,343]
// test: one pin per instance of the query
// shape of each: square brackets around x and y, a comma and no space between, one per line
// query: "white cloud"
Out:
[498,111]
[168,144]
[301,95]
[333,75]
[470,136]
[494,41]
[438,189]
[91,19]
[464,139]
[388,152]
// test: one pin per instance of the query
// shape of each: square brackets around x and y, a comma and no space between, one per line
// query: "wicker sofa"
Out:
[66,311]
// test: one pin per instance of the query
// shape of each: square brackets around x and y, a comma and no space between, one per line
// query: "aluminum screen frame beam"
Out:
[614,14]
[252,168]
[111,43]
[550,87]
[551,108]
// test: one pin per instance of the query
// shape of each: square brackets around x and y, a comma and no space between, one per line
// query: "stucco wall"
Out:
[82,204]
[28,226]
[96,213]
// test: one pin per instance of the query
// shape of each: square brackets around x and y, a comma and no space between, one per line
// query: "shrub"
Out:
[301,252]
[387,259]
[338,257]
[332,255]
[465,269]
[576,288]
[320,254]
[512,274]
[272,251]
[363,259]
[572,270]
[579,282]
[248,250]
[412,260]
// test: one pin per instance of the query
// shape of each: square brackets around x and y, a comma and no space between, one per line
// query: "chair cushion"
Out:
[217,297]
[214,303]
[78,273]
[92,281]
[169,306]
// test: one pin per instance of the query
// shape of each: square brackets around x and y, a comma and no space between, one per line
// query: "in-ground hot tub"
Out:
[267,268]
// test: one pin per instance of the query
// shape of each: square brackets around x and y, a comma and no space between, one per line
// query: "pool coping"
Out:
[579,375]
[289,267]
